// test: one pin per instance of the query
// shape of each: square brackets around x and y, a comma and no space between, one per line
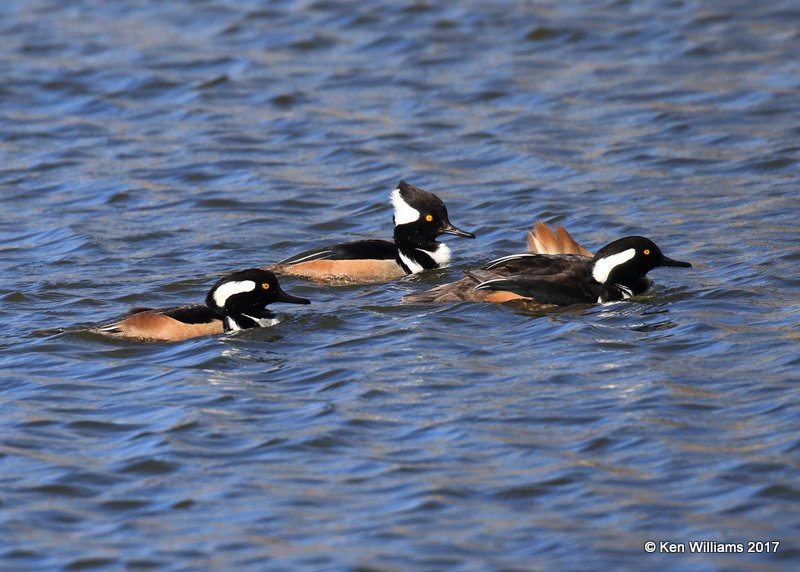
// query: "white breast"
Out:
[414,267]
[264,322]
[441,255]
[231,324]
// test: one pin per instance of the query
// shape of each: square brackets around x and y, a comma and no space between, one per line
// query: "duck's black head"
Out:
[628,260]
[421,215]
[241,298]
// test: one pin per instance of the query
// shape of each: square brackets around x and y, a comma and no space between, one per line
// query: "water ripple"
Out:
[150,148]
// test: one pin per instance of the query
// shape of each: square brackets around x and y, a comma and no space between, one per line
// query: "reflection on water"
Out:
[148,149]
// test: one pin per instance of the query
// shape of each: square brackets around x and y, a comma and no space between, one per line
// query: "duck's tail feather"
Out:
[542,240]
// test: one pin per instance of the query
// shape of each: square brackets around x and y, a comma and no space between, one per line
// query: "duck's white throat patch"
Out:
[441,255]
[603,267]
[229,289]
[404,213]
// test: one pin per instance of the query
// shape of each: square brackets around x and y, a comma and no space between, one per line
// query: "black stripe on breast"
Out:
[420,257]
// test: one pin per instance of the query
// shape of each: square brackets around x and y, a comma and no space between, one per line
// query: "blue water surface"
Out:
[149,147]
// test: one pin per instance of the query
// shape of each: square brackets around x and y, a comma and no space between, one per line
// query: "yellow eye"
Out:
[429,217]
[265,285]
[646,251]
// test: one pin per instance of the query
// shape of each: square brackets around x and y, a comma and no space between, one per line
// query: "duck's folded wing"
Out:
[194,314]
[539,289]
[372,249]
[540,264]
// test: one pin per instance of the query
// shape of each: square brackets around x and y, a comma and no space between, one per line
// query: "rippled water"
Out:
[148,147]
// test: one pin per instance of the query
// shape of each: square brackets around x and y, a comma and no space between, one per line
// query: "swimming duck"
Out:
[419,218]
[617,272]
[236,302]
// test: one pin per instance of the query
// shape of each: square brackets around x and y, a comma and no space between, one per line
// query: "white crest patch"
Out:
[441,256]
[228,289]
[412,266]
[404,213]
[604,266]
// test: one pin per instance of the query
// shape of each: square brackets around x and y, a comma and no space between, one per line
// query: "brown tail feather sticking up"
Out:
[542,240]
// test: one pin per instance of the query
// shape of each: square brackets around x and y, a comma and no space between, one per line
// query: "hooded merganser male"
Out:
[419,218]
[236,302]
[617,272]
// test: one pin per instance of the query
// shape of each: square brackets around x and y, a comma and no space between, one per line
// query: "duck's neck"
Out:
[627,282]
[635,284]
[416,253]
